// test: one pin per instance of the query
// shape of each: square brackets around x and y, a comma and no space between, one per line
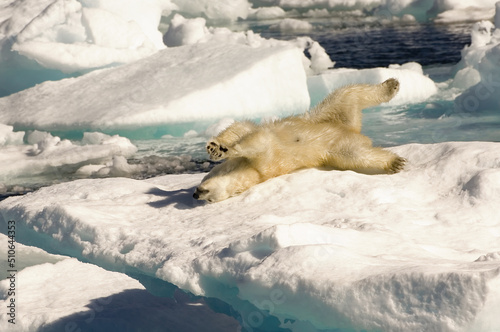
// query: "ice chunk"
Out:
[290,24]
[166,88]
[267,13]
[457,10]
[310,248]
[9,136]
[414,86]
[221,10]
[185,32]
[190,31]
[47,154]
[471,13]
[73,36]
[438,10]
[479,70]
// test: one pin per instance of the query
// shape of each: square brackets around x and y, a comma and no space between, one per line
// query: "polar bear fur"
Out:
[327,136]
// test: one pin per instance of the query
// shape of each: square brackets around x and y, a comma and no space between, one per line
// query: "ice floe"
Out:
[325,249]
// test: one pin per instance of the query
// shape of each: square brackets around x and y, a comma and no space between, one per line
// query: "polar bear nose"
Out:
[199,192]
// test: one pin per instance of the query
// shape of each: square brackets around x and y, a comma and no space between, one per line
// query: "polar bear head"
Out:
[228,179]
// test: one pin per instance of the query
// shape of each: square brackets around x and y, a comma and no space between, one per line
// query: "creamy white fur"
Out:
[327,136]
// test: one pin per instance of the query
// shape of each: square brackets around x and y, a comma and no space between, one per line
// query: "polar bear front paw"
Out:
[397,165]
[216,151]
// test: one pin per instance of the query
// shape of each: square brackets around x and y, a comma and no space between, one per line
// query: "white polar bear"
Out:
[327,136]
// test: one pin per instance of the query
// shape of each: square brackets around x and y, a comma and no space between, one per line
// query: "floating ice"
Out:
[221,10]
[290,24]
[267,13]
[479,69]
[185,32]
[51,39]
[73,36]
[414,251]
[46,154]
[9,137]
[438,10]
[414,85]
[179,84]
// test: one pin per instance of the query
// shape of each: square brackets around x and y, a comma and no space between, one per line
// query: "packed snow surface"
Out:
[412,251]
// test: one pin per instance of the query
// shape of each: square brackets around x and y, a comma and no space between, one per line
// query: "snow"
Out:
[57,293]
[412,251]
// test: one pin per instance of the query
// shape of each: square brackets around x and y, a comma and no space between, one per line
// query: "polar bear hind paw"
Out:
[397,165]
[216,151]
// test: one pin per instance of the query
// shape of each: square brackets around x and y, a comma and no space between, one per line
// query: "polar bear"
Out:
[327,136]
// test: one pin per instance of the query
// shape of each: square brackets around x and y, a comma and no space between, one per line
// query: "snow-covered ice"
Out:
[412,251]
[73,35]
[181,84]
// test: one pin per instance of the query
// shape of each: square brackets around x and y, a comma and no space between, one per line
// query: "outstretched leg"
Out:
[217,147]
[357,153]
[344,106]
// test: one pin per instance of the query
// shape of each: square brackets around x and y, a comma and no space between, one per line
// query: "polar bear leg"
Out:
[345,105]
[356,153]
[217,147]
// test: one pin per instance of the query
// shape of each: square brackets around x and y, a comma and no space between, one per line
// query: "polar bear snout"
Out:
[200,193]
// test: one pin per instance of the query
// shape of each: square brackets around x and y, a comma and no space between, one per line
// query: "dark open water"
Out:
[380,46]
